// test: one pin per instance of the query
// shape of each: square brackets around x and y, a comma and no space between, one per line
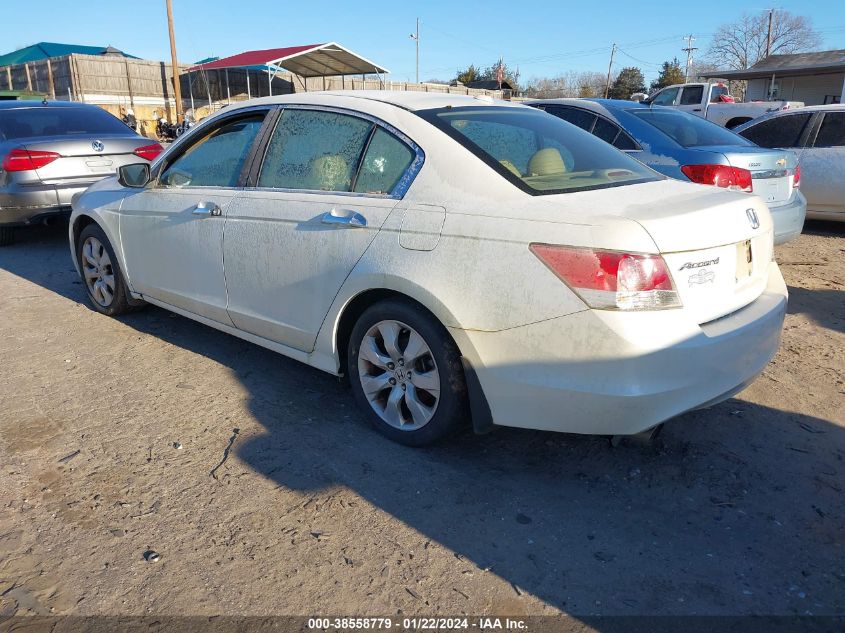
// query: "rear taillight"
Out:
[719,175]
[611,280]
[796,177]
[27,160]
[149,152]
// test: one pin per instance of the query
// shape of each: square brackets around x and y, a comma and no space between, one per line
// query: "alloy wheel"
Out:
[398,375]
[98,271]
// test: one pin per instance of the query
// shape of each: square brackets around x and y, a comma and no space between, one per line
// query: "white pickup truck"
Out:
[712,102]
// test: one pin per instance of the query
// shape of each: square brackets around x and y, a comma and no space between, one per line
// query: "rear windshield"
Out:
[41,120]
[687,130]
[538,152]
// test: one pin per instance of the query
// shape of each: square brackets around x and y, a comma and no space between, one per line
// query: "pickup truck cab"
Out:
[712,101]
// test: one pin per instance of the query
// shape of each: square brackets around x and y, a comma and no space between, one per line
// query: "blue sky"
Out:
[541,38]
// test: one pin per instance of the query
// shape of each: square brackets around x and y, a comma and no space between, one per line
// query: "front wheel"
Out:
[107,289]
[406,373]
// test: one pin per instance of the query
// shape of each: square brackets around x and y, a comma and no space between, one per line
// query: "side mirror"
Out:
[136,175]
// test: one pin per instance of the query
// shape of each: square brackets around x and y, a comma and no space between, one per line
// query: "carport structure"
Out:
[314,60]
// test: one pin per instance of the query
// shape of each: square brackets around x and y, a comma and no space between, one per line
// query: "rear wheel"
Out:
[406,373]
[7,235]
[107,289]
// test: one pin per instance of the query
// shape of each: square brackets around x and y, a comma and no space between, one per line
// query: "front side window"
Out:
[217,158]
[540,154]
[777,132]
[665,97]
[692,95]
[687,130]
[832,131]
[314,150]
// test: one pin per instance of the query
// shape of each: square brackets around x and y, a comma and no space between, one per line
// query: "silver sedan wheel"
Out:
[399,375]
[98,271]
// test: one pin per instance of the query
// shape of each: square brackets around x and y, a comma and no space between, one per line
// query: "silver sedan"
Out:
[50,151]
[817,135]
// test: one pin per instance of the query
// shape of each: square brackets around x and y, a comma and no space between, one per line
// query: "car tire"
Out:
[102,277]
[7,235]
[417,402]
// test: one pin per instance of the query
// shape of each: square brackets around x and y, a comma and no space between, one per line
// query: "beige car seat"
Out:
[546,162]
[330,173]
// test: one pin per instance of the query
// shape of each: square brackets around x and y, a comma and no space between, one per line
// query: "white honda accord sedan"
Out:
[460,260]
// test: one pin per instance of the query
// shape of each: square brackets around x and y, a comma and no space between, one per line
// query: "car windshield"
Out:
[538,152]
[41,120]
[687,130]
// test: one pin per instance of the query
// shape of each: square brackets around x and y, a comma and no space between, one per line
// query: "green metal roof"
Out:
[44,50]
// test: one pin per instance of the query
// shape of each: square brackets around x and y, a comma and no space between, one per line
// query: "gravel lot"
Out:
[281,501]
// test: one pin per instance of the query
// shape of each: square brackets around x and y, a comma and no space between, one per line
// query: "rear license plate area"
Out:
[744,260]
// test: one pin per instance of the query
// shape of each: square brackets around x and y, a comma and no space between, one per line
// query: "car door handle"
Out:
[206,209]
[344,218]
[696,109]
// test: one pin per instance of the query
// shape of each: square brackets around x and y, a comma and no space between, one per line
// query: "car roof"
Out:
[830,107]
[34,103]
[407,100]
[591,103]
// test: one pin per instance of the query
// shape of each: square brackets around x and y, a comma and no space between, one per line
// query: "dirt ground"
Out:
[281,501]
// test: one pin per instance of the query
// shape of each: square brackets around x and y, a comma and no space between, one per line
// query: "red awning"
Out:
[315,60]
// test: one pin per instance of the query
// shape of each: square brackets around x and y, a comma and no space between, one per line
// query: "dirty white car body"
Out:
[471,251]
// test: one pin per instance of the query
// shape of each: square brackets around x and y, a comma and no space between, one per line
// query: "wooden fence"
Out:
[117,83]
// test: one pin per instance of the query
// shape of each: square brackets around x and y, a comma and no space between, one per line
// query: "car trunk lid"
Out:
[716,243]
[772,171]
[85,159]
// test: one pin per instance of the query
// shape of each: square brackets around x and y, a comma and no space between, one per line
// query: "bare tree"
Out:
[568,84]
[742,44]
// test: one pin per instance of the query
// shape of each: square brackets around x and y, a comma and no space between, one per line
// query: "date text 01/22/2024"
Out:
[416,623]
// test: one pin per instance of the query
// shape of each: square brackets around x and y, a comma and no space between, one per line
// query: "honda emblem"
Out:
[752,217]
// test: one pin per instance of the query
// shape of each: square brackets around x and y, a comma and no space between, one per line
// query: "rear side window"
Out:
[575,116]
[314,150]
[17,123]
[832,131]
[692,95]
[216,159]
[781,131]
[716,93]
[385,162]
[605,130]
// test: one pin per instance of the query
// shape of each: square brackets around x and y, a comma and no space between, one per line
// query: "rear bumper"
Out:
[600,372]
[20,205]
[789,218]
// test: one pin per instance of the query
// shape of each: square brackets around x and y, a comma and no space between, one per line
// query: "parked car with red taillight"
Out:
[686,147]
[461,260]
[50,151]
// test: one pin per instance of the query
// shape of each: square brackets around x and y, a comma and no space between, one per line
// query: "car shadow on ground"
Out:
[825,306]
[734,510]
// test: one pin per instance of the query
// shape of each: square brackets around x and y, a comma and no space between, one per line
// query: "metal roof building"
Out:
[815,78]
[47,50]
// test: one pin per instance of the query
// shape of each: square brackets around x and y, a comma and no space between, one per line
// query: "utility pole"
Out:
[689,49]
[416,37]
[609,69]
[177,89]
[769,36]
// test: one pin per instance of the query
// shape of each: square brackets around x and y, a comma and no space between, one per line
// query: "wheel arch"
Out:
[355,306]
